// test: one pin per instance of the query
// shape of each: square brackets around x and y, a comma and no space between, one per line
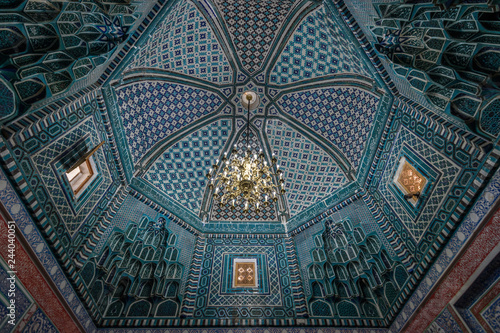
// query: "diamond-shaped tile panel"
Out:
[254,38]
[450,172]
[184,42]
[310,173]
[225,213]
[318,47]
[153,110]
[180,171]
[344,116]
[43,160]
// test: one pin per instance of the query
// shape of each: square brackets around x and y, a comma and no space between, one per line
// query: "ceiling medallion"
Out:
[246,177]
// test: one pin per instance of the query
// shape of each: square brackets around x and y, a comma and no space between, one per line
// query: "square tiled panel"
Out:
[222,291]
[217,298]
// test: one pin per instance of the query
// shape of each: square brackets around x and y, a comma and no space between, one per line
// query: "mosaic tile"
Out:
[30,231]
[39,322]
[43,164]
[444,323]
[448,255]
[449,170]
[257,89]
[304,242]
[341,115]
[58,48]
[184,42]
[186,243]
[491,315]
[317,48]
[273,296]
[310,173]
[254,39]
[364,13]
[131,210]
[152,110]
[180,170]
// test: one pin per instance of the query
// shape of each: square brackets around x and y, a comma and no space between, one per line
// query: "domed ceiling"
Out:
[178,105]
[154,89]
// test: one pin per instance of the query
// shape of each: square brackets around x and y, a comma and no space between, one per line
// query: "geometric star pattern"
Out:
[180,171]
[310,173]
[342,115]
[184,42]
[153,110]
[254,39]
[450,171]
[318,47]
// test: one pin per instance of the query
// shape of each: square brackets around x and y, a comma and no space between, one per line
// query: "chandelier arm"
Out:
[246,178]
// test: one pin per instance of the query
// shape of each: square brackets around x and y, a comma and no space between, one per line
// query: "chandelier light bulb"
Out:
[246,177]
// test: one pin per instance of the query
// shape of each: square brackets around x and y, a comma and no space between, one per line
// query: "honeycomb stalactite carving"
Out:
[452,56]
[46,45]
[352,275]
[137,274]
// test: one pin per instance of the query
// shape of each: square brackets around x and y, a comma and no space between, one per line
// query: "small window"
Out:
[410,181]
[81,175]
[82,172]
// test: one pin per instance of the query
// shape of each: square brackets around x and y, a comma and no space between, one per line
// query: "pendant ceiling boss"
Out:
[246,177]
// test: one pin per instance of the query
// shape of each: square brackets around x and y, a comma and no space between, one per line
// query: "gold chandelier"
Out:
[246,178]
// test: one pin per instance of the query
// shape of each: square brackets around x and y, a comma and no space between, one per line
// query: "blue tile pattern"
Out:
[131,210]
[254,39]
[180,171]
[310,173]
[491,314]
[274,296]
[256,88]
[417,226]
[444,323]
[73,216]
[364,13]
[455,245]
[29,229]
[344,116]
[317,48]
[184,42]
[39,322]
[186,243]
[8,107]
[152,110]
